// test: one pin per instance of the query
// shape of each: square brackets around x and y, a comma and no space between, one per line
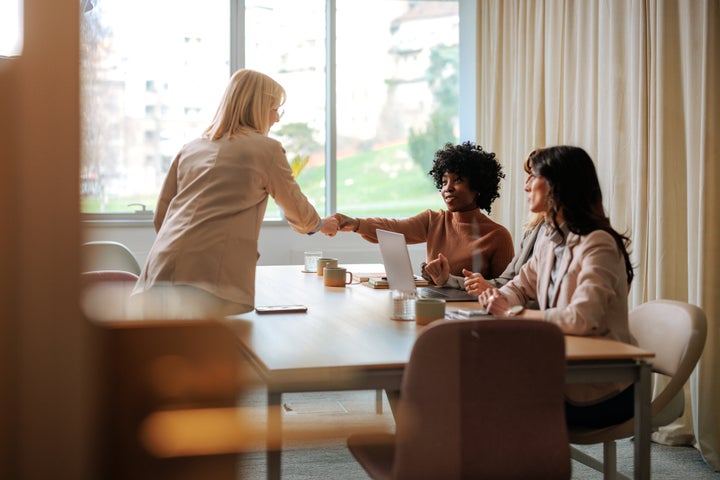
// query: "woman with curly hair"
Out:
[461,237]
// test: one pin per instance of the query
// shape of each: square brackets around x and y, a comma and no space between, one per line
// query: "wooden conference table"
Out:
[347,341]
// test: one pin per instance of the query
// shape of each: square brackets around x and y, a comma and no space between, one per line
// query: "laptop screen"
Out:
[398,269]
[396,259]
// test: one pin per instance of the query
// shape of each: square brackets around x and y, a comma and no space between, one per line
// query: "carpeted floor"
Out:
[332,416]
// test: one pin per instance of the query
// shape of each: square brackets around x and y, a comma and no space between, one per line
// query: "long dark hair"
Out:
[574,187]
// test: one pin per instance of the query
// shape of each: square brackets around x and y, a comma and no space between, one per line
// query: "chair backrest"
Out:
[108,255]
[484,399]
[106,293]
[105,276]
[676,332]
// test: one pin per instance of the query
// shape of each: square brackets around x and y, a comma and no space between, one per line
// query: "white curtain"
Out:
[636,84]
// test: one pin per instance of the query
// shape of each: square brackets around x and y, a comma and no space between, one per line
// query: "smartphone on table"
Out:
[281,309]
[474,313]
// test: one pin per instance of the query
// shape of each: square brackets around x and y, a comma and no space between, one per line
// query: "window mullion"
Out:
[330,110]
[237,35]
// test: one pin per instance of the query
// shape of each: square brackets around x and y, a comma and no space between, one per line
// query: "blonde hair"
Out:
[245,106]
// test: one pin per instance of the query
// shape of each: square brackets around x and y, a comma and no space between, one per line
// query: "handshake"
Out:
[338,223]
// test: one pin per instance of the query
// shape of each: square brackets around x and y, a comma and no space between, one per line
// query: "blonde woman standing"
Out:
[212,204]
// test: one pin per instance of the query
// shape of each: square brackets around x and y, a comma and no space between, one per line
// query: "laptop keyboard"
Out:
[430,293]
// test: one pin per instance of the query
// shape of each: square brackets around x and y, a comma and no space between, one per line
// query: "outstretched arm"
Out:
[347,224]
[329,226]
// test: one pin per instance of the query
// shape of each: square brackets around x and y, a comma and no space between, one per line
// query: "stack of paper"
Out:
[382,282]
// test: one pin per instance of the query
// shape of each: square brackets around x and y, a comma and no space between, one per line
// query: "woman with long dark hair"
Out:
[579,274]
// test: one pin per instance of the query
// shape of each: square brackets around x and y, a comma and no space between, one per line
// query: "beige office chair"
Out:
[107,276]
[676,332]
[106,294]
[108,255]
[479,399]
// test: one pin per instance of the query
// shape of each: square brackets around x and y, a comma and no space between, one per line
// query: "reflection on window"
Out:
[286,40]
[397,102]
[152,75]
[150,86]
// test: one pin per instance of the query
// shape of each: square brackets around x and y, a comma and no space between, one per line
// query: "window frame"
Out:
[468,31]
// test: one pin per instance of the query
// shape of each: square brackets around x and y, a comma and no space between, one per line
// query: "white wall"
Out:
[278,245]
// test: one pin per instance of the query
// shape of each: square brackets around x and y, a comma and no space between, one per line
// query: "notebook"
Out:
[399,272]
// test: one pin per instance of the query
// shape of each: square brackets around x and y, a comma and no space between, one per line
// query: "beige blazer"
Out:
[527,246]
[591,295]
[210,211]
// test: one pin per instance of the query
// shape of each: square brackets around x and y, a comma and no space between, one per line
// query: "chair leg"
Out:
[379,401]
[608,466]
[586,459]
[609,460]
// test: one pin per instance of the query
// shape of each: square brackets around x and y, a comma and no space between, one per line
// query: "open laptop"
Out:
[398,269]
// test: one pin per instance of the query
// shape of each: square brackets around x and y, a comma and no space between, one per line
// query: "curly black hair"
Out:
[468,160]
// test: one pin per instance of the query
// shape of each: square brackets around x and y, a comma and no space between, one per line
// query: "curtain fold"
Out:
[705,385]
[634,83]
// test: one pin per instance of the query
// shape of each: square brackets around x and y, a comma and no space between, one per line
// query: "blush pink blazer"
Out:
[591,295]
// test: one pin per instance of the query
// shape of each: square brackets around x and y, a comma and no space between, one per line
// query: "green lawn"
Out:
[383,182]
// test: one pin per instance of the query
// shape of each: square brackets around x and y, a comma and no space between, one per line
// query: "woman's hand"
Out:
[425,274]
[475,283]
[494,302]
[438,270]
[329,226]
[347,224]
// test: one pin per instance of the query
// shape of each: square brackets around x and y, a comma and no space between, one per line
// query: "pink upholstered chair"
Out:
[479,399]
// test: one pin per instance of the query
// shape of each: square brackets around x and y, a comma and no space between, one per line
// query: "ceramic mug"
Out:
[325,262]
[337,277]
[428,310]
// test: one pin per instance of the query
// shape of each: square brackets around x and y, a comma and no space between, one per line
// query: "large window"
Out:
[364,115]
[11,20]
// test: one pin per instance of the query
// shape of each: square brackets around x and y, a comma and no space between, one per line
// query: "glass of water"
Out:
[311,258]
[403,305]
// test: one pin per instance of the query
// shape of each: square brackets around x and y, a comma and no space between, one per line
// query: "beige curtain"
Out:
[635,83]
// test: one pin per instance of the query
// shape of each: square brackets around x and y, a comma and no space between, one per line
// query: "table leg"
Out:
[642,423]
[274,436]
